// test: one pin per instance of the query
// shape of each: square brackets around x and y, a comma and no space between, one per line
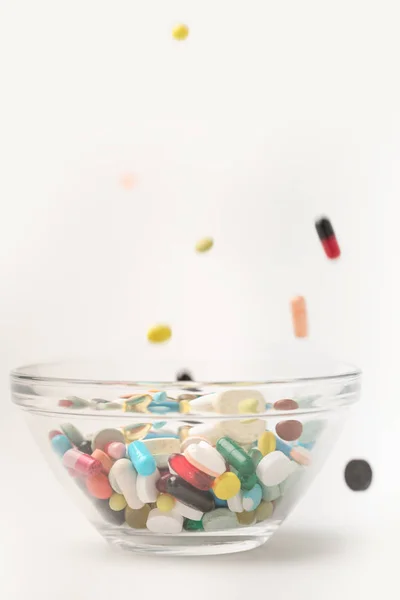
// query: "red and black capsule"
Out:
[327,236]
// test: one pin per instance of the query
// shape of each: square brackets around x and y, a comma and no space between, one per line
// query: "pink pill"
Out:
[82,463]
[54,433]
[115,450]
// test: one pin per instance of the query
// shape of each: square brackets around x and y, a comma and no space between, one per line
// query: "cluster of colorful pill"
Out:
[208,476]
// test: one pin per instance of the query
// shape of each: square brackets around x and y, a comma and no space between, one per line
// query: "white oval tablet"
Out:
[208,431]
[228,402]
[163,446]
[203,403]
[243,432]
[274,468]
[125,476]
[190,440]
[235,504]
[206,458]
[188,511]
[146,487]
[161,522]
[113,481]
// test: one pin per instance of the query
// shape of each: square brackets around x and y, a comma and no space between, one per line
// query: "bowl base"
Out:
[182,545]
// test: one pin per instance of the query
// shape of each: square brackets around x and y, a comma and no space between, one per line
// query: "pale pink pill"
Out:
[301,455]
[115,450]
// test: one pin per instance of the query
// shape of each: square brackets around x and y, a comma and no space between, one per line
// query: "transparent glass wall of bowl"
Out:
[320,410]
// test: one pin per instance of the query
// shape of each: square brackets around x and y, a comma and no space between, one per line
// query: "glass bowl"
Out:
[185,467]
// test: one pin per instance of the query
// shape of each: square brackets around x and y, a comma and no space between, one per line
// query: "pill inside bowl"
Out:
[160,467]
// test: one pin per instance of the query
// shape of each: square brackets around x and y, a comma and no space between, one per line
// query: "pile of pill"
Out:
[209,475]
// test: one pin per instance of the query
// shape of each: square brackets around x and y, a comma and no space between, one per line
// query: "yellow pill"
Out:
[248,406]
[117,502]
[184,406]
[159,333]
[266,443]
[180,32]
[226,486]
[204,244]
[165,502]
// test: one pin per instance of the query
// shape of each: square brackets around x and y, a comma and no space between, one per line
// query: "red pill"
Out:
[327,236]
[182,467]
[99,486]
[83,463]
[161,484]
[65,403]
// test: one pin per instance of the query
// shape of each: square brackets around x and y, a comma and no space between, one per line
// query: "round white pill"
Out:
[105,436]
[164,522]
[163,446]
[228,402]
[125,476]
[274,468]
[206,458]
[235,504]
[146,487]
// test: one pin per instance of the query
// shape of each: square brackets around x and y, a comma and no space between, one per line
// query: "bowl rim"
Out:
[21,374]
[23,377]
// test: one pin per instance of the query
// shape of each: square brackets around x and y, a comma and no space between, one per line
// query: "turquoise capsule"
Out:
[252,498]
[160,397]
[163,407]
[159,425]
[235,455]
[141,458]
[162,434]
[283,447]
[60,444]
[311,431]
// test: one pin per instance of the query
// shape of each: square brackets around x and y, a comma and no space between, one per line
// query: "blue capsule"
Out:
[60,444]
[141,458]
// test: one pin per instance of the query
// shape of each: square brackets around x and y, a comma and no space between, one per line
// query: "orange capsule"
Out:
[99,487]
[299,316]
[105,460]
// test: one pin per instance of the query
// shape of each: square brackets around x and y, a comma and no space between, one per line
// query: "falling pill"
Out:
[204,245]
[159,333]
[299,316]
[328,238]
[184,376]
[180,32]
[358,475]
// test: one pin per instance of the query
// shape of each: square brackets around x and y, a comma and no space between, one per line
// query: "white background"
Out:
[270,114]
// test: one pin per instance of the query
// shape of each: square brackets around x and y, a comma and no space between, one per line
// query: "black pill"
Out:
[184,376]
[85,447]
[358,475]
[179,489]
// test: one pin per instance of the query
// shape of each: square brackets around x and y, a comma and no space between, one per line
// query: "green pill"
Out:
[236,456]
[190,525]
[255,456]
